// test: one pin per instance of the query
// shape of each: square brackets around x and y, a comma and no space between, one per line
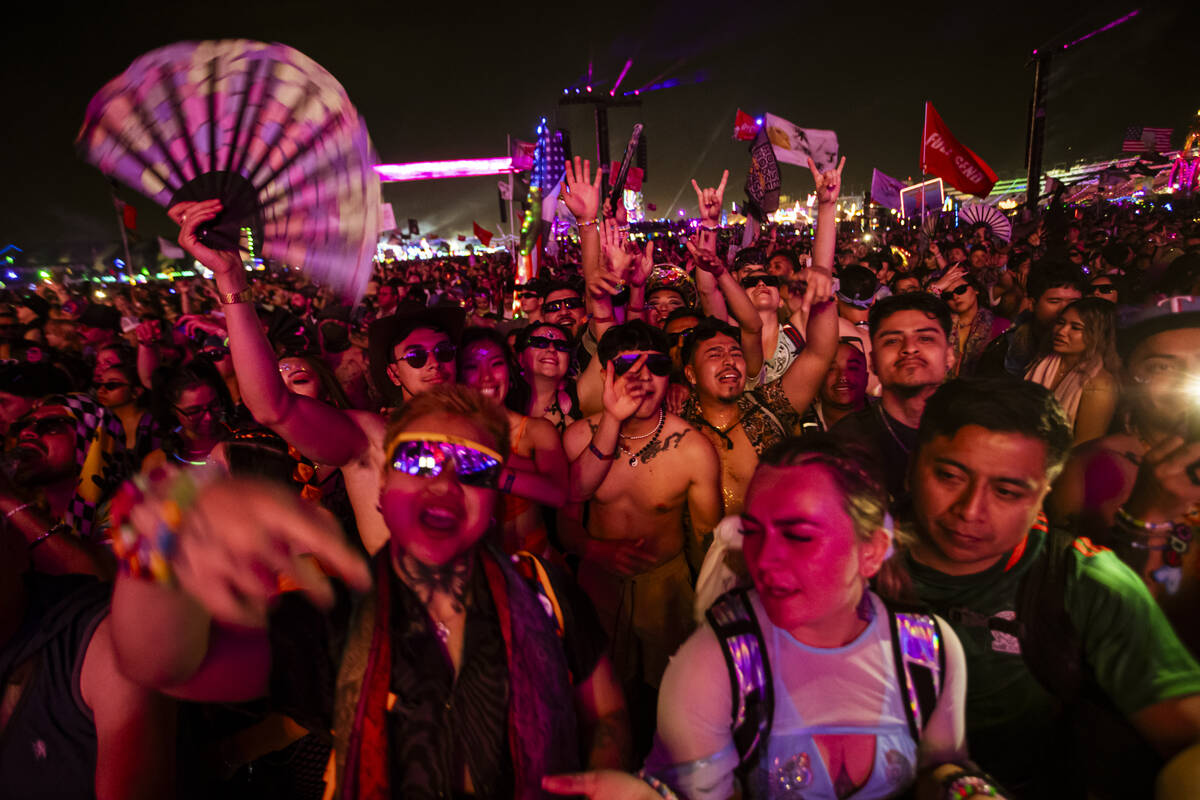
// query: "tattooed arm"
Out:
[603,720]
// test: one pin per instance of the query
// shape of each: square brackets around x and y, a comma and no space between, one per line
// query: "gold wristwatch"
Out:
[229,298]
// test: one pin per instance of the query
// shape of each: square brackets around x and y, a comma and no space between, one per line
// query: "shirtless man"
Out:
[418,349]
[641,470]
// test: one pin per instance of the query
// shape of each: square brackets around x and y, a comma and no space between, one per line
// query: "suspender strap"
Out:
[920,665]
[733,620]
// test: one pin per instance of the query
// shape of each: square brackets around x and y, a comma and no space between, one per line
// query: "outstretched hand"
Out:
[709,200]
[582,195]
[242,536]
[828,184]
[613,242]
[190,216]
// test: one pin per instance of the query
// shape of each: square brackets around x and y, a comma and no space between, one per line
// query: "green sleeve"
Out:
[1136,656]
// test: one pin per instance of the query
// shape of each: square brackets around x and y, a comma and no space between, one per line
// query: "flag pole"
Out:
[924,134]
[120,209]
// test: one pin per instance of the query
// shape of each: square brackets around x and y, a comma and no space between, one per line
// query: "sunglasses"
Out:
[214,354]
[544,342]
[565,303]
[957,291]
[425,455]
[526,293]
[418,356]
[109,386]
[750,281]
[43,426]
[1104,288]
[658,363]
[196,412]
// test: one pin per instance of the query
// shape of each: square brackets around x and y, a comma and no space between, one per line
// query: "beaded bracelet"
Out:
[589,224]
[166,494]
[657,785]
[968,783]
[1127,520]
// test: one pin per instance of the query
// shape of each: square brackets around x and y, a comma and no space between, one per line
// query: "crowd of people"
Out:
[809,513]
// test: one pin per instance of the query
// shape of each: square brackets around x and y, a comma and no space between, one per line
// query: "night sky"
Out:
[440,80]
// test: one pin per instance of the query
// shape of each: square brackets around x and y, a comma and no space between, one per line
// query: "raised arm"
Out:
[591,458]
[318,430]
[738,302]
[708,201]
[581,195]
[828,184]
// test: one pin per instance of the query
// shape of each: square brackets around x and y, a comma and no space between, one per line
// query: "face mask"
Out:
[335,337]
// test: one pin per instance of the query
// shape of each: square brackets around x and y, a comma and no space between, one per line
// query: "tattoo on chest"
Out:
[659,446]
[425,579]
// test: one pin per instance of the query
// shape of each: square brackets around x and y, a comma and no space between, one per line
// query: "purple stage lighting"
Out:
[427,170]
[621,77]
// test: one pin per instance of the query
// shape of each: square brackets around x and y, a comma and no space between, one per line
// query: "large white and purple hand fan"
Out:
[262,127]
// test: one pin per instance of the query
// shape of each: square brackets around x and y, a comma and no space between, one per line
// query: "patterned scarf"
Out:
[99,456]
[542,730]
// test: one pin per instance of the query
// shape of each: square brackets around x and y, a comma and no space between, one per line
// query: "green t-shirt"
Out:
[1134,655]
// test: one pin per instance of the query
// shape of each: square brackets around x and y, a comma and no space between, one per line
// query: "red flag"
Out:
[945,157]
[128,213]
[651,207]
[744,127]
[633,178]
[482,234]
[462,238]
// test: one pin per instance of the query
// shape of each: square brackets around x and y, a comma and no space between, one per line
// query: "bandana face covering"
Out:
[425,455]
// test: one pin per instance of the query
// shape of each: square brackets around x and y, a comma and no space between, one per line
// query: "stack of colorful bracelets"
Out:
[144,547]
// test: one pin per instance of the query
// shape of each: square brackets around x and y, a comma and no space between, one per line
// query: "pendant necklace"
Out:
[635,458]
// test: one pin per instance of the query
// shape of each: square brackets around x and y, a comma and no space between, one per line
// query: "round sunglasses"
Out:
[418,356]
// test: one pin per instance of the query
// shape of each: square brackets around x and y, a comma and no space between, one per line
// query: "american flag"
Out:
[1139,139]
[548,162]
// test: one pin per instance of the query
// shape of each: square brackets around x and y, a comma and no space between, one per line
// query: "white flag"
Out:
[169,249]
[387,217]
[885,190]
[794,145]
[505,189]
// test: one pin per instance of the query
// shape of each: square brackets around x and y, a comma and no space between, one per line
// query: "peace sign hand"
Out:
[709,200]
[828,184]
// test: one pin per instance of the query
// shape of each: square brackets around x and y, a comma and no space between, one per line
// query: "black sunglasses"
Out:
[524,293]
[109,386]
[418,356]
[750,281]
[543,342]
[568,303]
[1104,288]
[955,292]
[196,412]
[214,353]
[658,363]
[42,426]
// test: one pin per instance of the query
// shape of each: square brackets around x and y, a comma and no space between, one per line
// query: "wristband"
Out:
[596,452]
[232,298]
[589,224]
[8,515]
[61,527]
[506,487]
[710,227]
